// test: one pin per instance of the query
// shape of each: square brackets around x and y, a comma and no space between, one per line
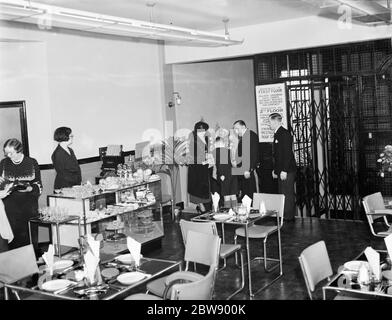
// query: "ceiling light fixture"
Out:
[31,12]
[369,8]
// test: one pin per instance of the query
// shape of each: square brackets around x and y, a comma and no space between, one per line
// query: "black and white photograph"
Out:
[225,153]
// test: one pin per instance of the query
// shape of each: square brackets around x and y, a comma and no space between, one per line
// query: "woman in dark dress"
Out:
[64,160]
[199,167]
[22,203]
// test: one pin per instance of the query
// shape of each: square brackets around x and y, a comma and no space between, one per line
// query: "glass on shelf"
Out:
[53,214]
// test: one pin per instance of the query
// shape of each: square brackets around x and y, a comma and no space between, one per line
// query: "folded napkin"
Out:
[231,212]
[94,245]
[5,227]
[262,209]
[134,248]
[247,202]
[90,266]
[388,243]
[49,258]
[215,201]
[374,261]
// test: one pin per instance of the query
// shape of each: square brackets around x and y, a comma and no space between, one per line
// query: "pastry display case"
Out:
[116,208]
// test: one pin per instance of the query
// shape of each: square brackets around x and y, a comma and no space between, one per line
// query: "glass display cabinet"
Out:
[133,210]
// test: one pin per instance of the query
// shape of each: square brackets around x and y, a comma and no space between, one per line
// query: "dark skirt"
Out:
[229,186]
[197,200]
[20,207]
[199,181]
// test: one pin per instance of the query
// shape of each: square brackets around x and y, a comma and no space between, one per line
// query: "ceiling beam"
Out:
[32,12]
[368,7]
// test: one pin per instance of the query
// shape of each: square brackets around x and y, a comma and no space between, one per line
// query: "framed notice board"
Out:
[13,123]
[270,98]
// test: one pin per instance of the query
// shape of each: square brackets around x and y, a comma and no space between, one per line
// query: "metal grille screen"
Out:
[339,102]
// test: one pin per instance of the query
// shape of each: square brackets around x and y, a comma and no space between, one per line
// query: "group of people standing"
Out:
[226,162]
[21,185]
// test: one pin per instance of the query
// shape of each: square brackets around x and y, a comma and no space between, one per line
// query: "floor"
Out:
[344,241]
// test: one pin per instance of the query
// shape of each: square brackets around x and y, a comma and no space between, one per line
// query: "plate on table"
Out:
[62,264]
[222,216]
[387,274]
[54,285]
[130,277]
[355,265]
[125,258]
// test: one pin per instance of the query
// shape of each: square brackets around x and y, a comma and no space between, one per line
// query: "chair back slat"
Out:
[208,227]
[315,265]
[202,248]
[17,264]
[272,202]
[373,202]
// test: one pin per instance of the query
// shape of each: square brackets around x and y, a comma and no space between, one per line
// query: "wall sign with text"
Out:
[270,98]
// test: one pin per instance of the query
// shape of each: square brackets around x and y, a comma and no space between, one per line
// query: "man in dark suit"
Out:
[247,159]
[284,164]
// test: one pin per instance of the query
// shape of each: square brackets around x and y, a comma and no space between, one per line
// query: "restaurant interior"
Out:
[131,84]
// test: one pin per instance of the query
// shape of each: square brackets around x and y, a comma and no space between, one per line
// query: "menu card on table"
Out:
[215,201]
[247,202]
[48,257]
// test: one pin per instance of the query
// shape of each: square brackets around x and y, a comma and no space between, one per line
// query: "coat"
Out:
[283,156]
[248,152]
[67,168]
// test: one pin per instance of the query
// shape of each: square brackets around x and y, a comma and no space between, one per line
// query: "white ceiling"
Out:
[198,14]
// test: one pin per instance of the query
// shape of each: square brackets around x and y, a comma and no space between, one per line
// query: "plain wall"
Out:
[220,92]
[107,89]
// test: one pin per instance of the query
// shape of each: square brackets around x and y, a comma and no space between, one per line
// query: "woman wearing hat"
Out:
[200,167]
